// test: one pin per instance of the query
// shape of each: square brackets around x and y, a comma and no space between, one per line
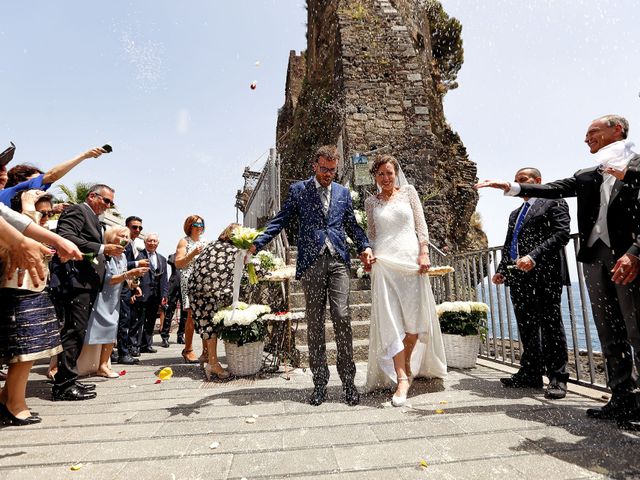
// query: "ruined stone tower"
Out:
[372,78]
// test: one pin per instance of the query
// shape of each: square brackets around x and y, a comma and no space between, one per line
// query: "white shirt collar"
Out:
[318,184]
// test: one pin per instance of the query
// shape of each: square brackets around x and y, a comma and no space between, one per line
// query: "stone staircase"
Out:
[360,304]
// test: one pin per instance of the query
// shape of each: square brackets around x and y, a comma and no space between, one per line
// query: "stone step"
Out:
[360,352]
[355,284]
[360,329]
[359,311]
[296,300]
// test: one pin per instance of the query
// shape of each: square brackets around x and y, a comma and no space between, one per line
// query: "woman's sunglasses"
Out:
[198,224]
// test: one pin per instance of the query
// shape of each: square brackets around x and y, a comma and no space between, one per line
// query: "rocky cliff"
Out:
[373,77]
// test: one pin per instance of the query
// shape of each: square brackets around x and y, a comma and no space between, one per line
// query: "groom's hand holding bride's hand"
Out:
[367,258]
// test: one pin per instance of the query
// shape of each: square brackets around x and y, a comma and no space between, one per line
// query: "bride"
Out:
[404,339]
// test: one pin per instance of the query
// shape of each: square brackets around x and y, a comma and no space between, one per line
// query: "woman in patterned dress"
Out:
[210,290]
[187,251]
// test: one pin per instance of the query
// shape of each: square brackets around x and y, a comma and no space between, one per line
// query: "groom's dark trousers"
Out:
[328,278]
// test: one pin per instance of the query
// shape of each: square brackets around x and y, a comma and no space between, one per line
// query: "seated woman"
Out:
[103,322]
[210,290]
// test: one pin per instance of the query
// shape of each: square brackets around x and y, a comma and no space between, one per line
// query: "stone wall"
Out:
[369,79]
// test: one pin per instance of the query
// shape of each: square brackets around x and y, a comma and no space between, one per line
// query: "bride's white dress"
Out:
[402,300]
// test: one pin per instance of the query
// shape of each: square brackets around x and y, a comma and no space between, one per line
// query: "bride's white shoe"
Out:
[400,400]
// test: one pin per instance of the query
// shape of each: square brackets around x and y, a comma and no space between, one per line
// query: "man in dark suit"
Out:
[608,227]
[77,283]
[155,288]
[127,321]
[172,302]
[532,265]
[325,215]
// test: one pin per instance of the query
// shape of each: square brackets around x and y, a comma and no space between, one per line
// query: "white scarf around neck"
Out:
[615,155]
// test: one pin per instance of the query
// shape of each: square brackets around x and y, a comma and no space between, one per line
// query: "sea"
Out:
[581,327]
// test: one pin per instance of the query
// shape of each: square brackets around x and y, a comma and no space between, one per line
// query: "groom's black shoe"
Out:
[71,392]
[351,395]
[319,395]
[85,387]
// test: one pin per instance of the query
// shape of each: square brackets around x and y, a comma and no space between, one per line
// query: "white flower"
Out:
[360,273]
[360,216]
[355,196]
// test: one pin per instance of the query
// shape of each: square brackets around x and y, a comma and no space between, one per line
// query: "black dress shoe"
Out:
[7,418]
[619,407]
[148,350]
[135,352]
[165,343]
[128,360]
[87,387]
[351,395]
[180,340]
[114,358]
[556,390]
[521,382]
[319,395]
[71,393]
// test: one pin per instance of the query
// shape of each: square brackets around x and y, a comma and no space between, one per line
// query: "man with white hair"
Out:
[155,289]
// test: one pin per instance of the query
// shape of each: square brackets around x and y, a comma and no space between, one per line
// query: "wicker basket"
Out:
[244,360]
[461,352]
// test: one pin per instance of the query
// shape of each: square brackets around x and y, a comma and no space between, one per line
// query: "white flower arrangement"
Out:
[361,217]
[355,196]
[244,314]
[462,307]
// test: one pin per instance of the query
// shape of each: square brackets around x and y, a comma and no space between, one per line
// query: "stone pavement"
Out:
[465,427]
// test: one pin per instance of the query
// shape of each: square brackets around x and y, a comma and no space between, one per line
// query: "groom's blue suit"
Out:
[324,271]
[304,202]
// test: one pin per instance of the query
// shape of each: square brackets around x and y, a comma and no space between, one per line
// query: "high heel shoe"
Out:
[210,373]
[9,419]
[189,357]
[400,400]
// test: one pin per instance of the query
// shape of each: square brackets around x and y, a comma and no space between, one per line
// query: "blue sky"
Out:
[167,85]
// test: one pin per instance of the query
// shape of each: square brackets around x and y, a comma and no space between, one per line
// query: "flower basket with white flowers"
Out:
[463,324]
[243,331]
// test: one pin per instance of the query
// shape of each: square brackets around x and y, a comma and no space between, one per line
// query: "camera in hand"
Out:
[107,148]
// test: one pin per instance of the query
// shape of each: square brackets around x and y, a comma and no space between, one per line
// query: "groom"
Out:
[325,215]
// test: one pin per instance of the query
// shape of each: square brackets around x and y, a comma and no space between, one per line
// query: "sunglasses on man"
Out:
[107,201]
[137,228]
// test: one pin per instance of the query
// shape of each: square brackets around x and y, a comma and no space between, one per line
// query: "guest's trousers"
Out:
[172,303]
[151,306]
[328,278]
[124,324]
[76,309]
[616,312]
[536,304]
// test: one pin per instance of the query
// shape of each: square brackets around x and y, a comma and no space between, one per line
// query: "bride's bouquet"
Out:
[242,238]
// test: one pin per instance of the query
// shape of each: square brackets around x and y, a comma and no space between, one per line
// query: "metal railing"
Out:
[471,280]
[264,202]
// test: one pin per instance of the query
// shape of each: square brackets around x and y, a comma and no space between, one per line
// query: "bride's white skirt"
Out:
[402,302]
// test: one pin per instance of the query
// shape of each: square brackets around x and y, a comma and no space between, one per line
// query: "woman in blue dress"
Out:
[103,322]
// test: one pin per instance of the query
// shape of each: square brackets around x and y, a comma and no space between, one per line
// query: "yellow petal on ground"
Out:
[439,411]
[423,463]
[76,467]
[165,374]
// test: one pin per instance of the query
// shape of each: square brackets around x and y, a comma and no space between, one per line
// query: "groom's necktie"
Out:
[513,250]
[324,196]
[323,192]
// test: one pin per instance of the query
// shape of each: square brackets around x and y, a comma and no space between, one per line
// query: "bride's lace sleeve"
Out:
[368,209]
[418,216]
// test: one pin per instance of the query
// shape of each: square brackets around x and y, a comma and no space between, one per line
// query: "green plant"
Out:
[76,194]
[463,318]
[446,44]
[241,334]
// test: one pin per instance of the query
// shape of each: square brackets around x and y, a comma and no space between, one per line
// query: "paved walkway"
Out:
[466,427]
